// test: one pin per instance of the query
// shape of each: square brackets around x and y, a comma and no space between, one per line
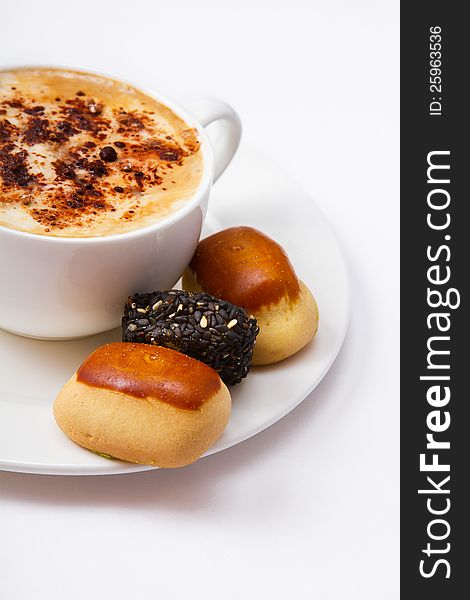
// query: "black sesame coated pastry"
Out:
[215,332]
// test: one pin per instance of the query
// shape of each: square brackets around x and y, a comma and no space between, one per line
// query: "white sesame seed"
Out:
[180,307]
[141,310]
[157,304]
[171,316]
[232,323]
[132,327]
[203,321]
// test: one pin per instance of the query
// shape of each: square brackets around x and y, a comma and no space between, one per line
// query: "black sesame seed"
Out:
[176,323]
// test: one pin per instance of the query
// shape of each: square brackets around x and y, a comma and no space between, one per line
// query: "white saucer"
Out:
[253,192]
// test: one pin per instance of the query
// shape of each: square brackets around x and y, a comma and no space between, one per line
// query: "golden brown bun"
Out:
[247,268]
[144,404]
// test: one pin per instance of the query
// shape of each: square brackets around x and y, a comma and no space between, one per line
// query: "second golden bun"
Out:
[249,269]
[144,404]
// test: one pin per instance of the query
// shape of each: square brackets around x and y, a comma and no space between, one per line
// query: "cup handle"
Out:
[225,141]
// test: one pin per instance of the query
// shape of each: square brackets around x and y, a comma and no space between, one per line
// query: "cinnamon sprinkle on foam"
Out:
[93,156]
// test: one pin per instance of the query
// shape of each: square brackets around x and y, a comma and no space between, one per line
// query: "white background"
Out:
[308,508]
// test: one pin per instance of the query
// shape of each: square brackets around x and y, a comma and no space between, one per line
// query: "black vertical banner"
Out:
[435,268]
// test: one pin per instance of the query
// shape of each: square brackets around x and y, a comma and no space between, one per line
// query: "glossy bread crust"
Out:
[146,371]
[245,267]
[248,268]
[114,414]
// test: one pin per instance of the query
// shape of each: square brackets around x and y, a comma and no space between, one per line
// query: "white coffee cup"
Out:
[59,288]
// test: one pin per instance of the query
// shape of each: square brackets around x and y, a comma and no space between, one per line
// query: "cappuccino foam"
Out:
[83,155]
